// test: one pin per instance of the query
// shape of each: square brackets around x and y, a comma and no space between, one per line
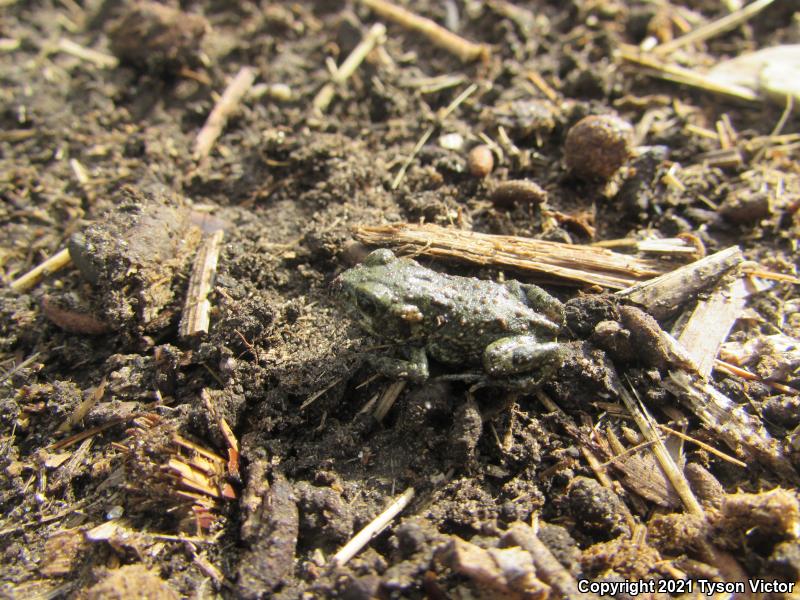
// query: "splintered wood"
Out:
[664,295]
[197,310]
[566,262]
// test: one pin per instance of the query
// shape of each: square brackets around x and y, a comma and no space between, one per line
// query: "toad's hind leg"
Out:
[415,368]
[518,354]
[537,299]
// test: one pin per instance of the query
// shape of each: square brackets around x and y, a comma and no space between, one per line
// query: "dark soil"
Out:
[100,160]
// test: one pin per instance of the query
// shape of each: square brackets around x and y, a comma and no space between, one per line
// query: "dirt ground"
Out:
[118,478]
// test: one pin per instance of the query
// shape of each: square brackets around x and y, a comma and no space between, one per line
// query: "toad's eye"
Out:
[366,304]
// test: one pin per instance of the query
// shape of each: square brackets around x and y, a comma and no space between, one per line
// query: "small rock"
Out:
[411,538]
[597,146]
[131,256]
[452,141]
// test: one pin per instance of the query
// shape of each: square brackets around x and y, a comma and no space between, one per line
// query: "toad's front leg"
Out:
[522,354]
[414,368]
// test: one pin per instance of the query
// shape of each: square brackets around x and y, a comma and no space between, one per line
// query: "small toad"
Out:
[506,328]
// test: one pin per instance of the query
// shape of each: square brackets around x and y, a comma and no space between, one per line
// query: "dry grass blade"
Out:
[658,68]
[566,262]
[715,28]
[55,263]
[648,429]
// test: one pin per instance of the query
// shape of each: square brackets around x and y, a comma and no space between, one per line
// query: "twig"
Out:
[55,263]
[363,537]
[196,314]
[19,367]
[230,99]
[100,59]
[465,50]
[731,369]
[703,445]
[663,295]
[374,36]
[568,262]
[715,28]
[319,393]
[79,437]
[536,79]
[83,408]
[787,112]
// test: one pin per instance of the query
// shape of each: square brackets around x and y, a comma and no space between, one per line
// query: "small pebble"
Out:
[452,141]
[480,161]
[523,191]
[597,146]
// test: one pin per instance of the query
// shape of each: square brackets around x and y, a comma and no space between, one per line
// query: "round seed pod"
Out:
[597,146]
[514,191]
[480,161]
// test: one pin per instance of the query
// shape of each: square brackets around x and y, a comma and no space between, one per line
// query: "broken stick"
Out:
[373,37]
[363,537]
[663,295]
[55,263]
[711,322]
[230,99]
[197,309]
[465,50]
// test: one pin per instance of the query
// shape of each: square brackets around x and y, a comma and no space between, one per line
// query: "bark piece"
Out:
[268,562]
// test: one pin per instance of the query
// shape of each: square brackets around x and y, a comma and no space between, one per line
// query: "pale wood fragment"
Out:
[229,101]
[663,295]
[465,50]
[196,315]
[567,262]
